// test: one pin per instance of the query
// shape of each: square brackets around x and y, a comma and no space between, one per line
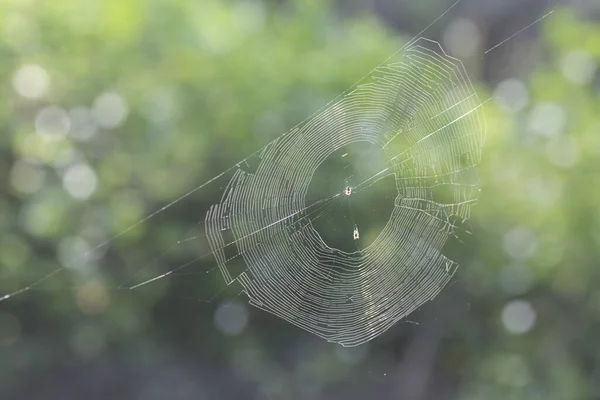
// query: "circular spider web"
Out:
[421,110]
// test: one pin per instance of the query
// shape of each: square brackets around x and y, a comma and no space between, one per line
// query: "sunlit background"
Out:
[112,109]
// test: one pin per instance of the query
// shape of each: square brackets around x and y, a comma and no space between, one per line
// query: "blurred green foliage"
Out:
[205,84]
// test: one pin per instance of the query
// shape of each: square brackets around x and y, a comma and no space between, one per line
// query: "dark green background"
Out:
[206,84]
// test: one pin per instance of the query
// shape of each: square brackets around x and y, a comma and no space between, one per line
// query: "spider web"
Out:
[421,112]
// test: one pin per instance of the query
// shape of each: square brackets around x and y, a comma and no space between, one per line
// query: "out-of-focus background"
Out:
[112,109]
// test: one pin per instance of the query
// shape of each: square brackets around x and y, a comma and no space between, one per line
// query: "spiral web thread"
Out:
[422,111]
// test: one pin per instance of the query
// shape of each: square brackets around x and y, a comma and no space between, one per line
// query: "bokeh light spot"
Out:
[462,37]
[27,177]
[44,216]
[511,95]
[518,316]
[563,152]
[110,110]
[31,81]
[14,251]
[80,181]
[52,122]
[73,252]
[547,119]
[520,243]
[579,67]
[83,124]
[160,106]
[92,297]
[544,191]
[231,318]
